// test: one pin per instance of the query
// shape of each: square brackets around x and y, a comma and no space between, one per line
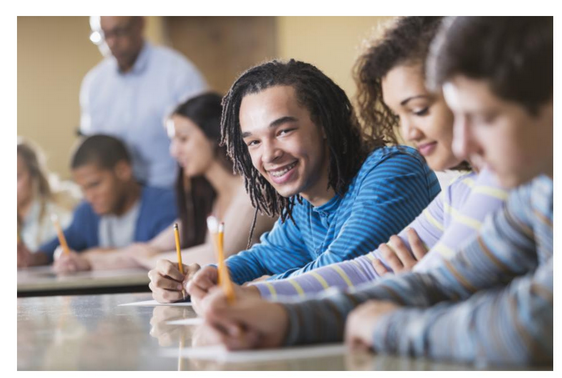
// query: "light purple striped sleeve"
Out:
[465,216]
[429,226]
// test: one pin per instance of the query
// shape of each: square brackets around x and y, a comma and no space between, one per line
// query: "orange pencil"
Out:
[178,251]
[60,234]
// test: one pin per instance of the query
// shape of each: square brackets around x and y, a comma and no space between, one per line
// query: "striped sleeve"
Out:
[279,250]
[503,325]
[498,265]
[399,184]
[464,214]
[390,196]
[349,274]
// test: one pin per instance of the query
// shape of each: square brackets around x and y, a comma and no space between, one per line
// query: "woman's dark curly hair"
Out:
[405,40]
[329,108]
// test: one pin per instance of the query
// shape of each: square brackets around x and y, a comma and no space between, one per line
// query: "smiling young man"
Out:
[117,210]
[493,301]
[292,133]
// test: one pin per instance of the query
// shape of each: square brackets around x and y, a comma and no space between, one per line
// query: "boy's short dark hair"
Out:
[103,150]
[514,54]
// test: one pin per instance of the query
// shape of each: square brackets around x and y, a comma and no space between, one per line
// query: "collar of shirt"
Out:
[329,208]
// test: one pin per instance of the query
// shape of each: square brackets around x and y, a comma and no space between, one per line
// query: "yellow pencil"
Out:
[60,234]
[226,282]
[178,251]
[217,232]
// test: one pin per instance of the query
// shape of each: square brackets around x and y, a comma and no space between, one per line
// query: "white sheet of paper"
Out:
[188,321]
[153,303]
[221,354]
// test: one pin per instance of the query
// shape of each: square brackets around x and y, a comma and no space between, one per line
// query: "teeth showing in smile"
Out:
[281,172]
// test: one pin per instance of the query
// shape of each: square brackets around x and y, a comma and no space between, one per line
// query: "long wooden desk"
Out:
[94,333]
[41,281]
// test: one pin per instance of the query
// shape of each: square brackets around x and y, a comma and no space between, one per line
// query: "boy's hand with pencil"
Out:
[167,282]
[205,279]
[199,295]
[69,262]
[248,323]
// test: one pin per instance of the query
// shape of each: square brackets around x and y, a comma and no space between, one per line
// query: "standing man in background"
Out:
[128,94]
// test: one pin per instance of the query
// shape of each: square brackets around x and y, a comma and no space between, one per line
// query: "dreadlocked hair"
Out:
[329,108]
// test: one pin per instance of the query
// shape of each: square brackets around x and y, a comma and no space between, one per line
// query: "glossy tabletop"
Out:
[94,333]
[43,279]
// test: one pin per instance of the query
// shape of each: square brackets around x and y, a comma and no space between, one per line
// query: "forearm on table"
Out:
[165,240]
[511,324]
[111,259]
[323,319]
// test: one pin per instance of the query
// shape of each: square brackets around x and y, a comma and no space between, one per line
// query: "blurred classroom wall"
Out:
[54,54]
[330,43]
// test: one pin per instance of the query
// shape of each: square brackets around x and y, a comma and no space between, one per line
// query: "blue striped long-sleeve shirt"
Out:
[455,215]
[493,301]
[393,186]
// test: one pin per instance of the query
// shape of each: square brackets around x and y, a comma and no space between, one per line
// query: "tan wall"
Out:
[223,47]
[54,54]
[330,43]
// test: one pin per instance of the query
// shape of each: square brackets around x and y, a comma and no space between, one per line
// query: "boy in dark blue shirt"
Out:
[117,210]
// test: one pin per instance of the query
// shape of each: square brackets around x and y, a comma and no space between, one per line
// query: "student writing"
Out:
[292,133]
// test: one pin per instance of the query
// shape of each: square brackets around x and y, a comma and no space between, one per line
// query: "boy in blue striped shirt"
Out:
[338,192]
[493,301]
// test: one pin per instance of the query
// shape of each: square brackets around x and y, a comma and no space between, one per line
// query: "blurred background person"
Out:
[117,210]
[129,93]
[39,197]
[205,185]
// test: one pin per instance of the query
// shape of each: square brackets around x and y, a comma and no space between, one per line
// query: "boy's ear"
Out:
[123,170]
